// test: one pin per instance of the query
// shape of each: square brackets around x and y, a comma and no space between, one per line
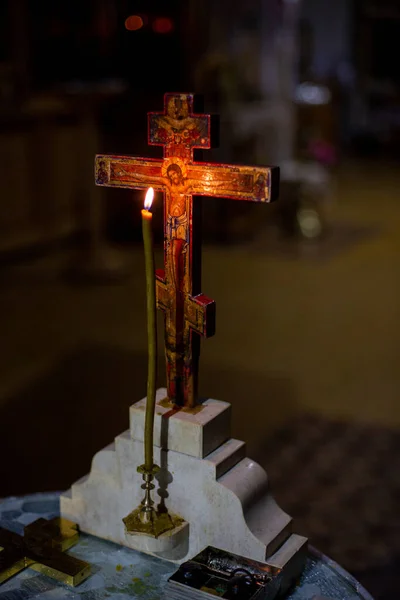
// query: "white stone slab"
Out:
[195,433]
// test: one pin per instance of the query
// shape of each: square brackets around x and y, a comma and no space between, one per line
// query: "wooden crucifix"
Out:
[42,548]
[189,314]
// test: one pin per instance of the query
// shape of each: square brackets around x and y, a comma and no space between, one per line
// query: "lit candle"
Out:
[145,519]
[151,329]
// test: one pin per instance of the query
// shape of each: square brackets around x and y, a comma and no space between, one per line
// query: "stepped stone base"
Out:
[222,496]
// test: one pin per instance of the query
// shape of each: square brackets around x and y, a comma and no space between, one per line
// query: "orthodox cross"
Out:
[189,314]
[42,549]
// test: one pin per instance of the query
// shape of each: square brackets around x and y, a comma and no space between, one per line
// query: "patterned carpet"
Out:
[344,494]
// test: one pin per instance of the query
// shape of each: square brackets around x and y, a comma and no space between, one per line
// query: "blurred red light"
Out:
[163,25]
[133,23]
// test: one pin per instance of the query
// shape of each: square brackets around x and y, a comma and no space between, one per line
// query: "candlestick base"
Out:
[151,522]
[146,520]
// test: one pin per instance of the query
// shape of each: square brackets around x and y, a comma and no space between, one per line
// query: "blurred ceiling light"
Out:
[311,93]
[163,25]
[133,23]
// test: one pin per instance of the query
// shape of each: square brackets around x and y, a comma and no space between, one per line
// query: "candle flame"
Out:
[148,201]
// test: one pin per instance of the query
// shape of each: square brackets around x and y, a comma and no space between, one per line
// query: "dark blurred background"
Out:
[307,290]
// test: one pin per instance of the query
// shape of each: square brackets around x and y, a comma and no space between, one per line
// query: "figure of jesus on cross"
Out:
[189,314]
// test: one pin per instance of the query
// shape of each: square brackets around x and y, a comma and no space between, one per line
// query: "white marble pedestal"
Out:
[205,478]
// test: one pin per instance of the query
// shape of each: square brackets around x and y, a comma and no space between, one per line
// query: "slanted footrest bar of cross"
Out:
[200,313]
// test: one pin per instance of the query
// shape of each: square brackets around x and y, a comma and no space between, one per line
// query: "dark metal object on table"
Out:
[215,572]
[42,548]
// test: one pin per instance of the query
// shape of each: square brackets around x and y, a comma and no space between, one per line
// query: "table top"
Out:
[122,574]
